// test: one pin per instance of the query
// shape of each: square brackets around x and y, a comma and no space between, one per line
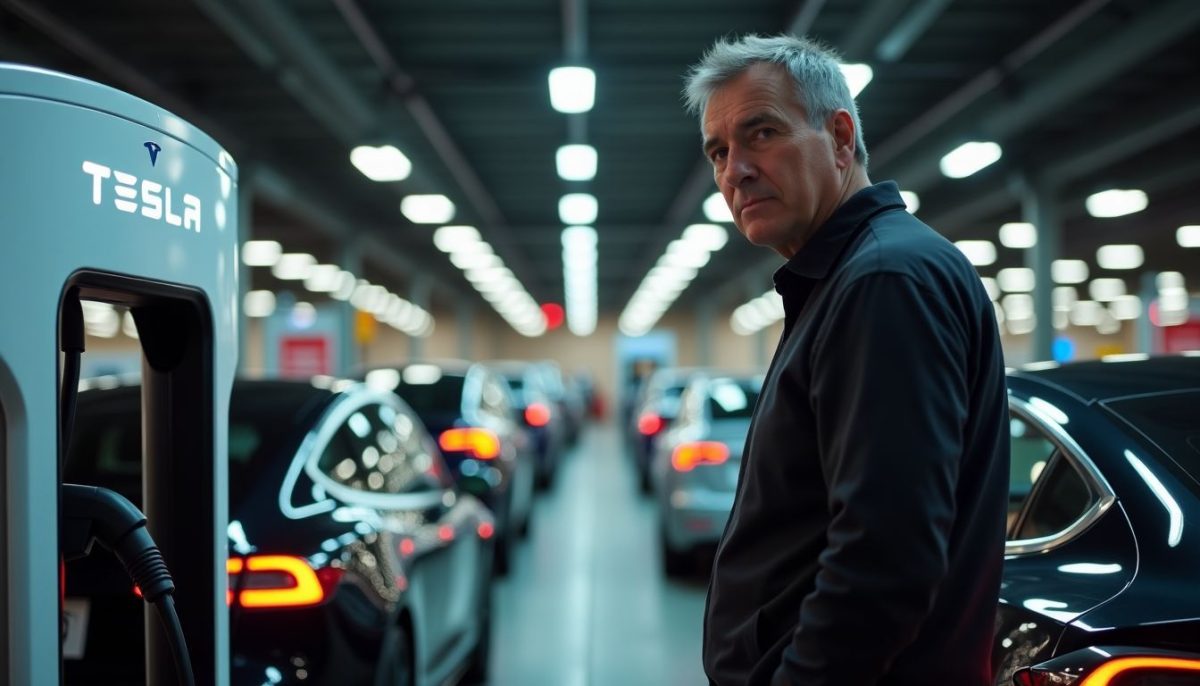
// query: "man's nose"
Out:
[739,168]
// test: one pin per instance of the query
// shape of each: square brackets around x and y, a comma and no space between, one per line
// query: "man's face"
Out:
[780,177]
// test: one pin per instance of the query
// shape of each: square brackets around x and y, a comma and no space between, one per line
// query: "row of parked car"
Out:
[1102,550]
[367,519]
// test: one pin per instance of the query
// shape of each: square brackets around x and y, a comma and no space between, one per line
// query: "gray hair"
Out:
[816,78]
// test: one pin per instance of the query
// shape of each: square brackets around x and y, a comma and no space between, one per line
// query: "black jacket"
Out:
[866,541]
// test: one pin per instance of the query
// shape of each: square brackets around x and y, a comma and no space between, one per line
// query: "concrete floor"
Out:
[586,603]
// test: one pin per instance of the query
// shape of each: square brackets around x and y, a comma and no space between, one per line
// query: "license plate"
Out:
[75,622]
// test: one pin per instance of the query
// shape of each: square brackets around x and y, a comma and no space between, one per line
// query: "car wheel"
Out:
[396,664]
[676,563]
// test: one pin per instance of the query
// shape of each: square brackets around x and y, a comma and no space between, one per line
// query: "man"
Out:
[866,541]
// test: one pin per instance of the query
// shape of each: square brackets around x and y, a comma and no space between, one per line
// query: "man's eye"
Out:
[718,155]
[765,132]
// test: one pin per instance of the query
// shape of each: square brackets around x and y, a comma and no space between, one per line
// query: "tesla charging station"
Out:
[106,197]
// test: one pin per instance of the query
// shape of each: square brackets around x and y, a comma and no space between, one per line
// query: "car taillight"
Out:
[479,443]
[688,455]
[650,424]
[1125,670]
[537,414]
[279,581]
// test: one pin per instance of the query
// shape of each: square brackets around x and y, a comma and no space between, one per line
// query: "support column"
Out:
[1039,206]
[705,331]
[418,294]
[350,357]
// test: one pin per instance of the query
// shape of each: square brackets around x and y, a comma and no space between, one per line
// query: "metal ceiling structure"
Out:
[1082,95]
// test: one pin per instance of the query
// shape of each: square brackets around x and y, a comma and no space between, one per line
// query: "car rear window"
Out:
[1171,421]
[732,398]
[440,397]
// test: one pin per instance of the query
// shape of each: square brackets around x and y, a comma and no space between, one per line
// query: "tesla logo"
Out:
[153,149]
[154,200]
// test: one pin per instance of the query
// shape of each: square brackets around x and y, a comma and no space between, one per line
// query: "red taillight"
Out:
[1110,672]
[479,443]
[537,414]
[688,455]
[650,424]
[486,530]
[279,581]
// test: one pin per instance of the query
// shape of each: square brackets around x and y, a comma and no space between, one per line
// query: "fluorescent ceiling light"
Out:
[576,162]
[1125,307]
[980,253]
[992,288]
[323,278]
[969,158]
[1168,280]
[1016,280]
[711,237]
[1018,235]
[572,89]
[912,201]
[1116,202]
[475,260]
[716,209]
[258,304]
[1069,271]
[1120,256]
[385,163]
[345,286]
[1105,290]
[1086,313]
[1017,305]
[427,209]
[1188,236]
[452,238]
[578,208]
[857,77]
[293,266]
[1063,297]
[576,237]
[385,380]
[422,374]
[261,253]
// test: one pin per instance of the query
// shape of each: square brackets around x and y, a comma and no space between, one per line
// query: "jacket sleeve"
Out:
[890,400]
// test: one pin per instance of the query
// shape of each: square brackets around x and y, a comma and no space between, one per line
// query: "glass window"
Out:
[1030,451]
[494,399]
[1171,421]
[380,450]
[1061,499]
[731,399]
[442,396]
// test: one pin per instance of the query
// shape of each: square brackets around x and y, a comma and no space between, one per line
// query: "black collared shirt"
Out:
[866,541]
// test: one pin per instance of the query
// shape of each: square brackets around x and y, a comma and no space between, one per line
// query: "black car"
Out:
[469,408]
[1103,550]
[547,423]
[352,558]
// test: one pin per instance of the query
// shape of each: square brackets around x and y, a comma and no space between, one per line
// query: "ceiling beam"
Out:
[895,44]
[870,23]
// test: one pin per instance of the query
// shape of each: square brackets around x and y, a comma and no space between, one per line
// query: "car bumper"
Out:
[695,516]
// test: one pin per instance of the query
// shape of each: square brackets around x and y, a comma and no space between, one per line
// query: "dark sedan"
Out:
[352,559]
[469,408]
[544,418]
[1103,550]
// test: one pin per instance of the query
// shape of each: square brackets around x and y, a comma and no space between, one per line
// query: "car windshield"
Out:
[440,397]
[1171,421]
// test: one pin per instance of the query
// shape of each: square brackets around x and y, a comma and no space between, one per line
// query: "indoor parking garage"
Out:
[568,343]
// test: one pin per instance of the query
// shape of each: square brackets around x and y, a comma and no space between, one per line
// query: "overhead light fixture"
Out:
[1018,235]
[857,77]
[261,253]
[711,237]
[1106,290]
[1167,280]
[1016,280]
[912,201]
[385,163]
[969,158]
[1063,297]
[579,277]
[980,253]
[451,238]
[1116,202]
[1188,236]
[717,210]
[1069,271]
[1125,307]
[1017,306]
[576,162]
[1086,313]
[258,304]
[578,208]
[293,266]
[427,209]
[1120,256]
[992,288]
[323,278]
[572,89]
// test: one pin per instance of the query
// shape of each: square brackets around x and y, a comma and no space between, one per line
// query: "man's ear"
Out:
[841,128]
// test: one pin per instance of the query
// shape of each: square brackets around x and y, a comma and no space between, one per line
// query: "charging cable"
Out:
[91,514]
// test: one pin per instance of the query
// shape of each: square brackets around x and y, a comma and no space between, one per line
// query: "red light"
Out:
[1114,669]
[486,530]
[479,443]
[137,591]
[553,312]
[687,455]
[537,414]
[279,581]
[446,533]
[650,424]
[407,547]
